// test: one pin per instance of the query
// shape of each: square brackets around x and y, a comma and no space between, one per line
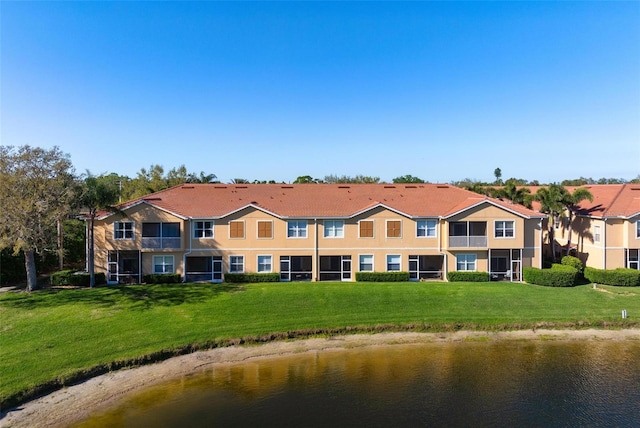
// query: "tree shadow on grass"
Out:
[139,297]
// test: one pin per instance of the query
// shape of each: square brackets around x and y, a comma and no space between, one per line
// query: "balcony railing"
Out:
[467,241]
[161,243]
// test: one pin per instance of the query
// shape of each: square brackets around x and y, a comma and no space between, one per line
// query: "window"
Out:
[162,264]
[366,229]
[366,263]
[264,264]
[161,235]
[236,264]
[203,229]
[638,229]
[466,262]
[426,228]
[394,228]
[123,230]
[265,229]
[297,229]
[504,228]
[596,233]
[236,229]
[393,263]
[334,229]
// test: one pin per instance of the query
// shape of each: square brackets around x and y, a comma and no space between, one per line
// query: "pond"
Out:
[528,383]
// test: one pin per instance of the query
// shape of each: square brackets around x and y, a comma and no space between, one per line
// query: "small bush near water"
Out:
[75,278]
[382,276]
[620,277]
[468,276]
[558,276]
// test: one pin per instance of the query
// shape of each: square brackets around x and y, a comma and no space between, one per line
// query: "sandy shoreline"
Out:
[77,402]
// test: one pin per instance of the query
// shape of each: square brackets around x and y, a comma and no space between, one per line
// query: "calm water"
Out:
[543,384]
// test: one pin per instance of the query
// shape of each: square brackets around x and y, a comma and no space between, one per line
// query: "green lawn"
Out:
[54,335]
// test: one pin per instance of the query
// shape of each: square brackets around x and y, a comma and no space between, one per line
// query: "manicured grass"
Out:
[54,335]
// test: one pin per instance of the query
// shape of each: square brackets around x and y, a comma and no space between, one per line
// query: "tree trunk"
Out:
[569,237]
[552,239]
[30,266]
[91,257]
[60,245]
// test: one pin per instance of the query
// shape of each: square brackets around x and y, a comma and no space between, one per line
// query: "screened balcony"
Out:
[465,234]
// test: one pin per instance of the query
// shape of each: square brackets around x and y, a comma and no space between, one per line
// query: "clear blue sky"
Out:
[268,90]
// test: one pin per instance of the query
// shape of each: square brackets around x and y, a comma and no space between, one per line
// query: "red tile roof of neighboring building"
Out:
[319,200]
[609,200]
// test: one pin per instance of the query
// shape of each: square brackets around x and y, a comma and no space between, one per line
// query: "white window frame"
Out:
[504,229]
[466,262]
[360,263]
[597,235]
[203,229]
[260,263]
[373,229]
[233,264]
[164,264]
[386,228]
[124,231]
[399,263]
[637,229]
[333,229]
[258,229]
[295,229]
[244,229]
[425,225]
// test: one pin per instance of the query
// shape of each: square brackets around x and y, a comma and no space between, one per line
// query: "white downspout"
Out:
[540,256]
[604,241]
[184,256]
[315,250]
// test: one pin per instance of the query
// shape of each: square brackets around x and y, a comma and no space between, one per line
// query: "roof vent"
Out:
[287,187]
[442,187]
[635,188]
[389,187]
[219,187]
[152,199]
[188,187]
[344,187]
[410,187]
[241,187]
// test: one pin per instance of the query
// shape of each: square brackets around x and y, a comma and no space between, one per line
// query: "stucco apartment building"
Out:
[316,232]
[605,232]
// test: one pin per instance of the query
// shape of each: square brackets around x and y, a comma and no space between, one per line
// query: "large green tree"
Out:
[571,202]
[98,193]
[550,198]
[36,189]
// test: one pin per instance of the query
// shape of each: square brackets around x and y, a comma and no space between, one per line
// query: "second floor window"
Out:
[505,229]
[426,228]
[596,233]
[394,229]
[366,229]
[334,229]
[297,229]
[265,229]
[161,235]
[203,229]
[236,229]
[123,230]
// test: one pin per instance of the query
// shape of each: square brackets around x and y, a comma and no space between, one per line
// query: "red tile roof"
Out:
[609,200]
[319,200]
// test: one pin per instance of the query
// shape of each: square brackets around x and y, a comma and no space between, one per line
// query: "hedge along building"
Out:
[605,232]
[316,232]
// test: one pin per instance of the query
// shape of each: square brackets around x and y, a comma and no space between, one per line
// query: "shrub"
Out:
[382,276]
[163,278]
[574,262]
[251,277]
[620,277]
[75,278]
[557,276]
[468,276]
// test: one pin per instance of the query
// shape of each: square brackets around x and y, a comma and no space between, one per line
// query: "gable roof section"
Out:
[609,200]
[318,200]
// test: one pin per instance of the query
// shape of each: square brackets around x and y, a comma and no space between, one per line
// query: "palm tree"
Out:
[98,193]
[551,203]
[517,195]
[571,202]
